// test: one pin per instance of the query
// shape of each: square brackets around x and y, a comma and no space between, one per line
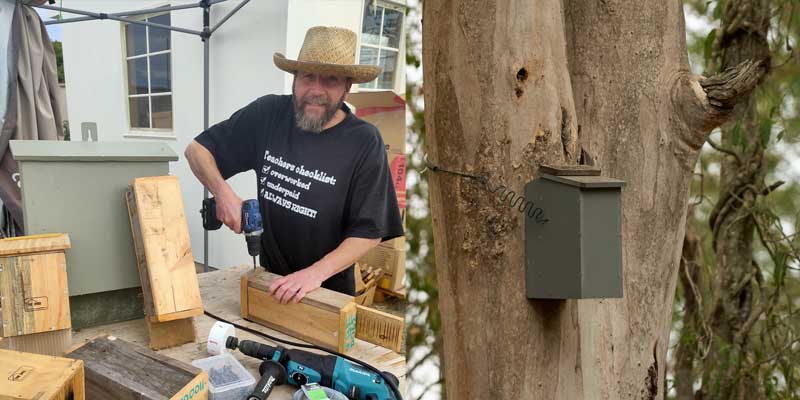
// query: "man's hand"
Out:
[229,211]
[295,286]
[229,205]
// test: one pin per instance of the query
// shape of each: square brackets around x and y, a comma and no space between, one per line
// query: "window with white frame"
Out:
[381,34]
[148,63]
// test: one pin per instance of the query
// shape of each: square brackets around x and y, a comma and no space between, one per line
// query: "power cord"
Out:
[388,382]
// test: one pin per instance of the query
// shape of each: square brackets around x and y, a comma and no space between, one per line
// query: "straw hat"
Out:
[331,50]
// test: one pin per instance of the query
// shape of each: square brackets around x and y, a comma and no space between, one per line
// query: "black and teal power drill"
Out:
[298,367]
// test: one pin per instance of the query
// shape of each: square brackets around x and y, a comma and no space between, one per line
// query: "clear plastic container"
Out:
[228,380]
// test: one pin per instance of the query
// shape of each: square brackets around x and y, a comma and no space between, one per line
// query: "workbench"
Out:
[220,293]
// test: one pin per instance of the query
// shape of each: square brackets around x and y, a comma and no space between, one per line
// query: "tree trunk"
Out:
[692,327]
[510,85]
[743,36]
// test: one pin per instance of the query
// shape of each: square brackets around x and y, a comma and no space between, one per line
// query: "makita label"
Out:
[359,372]
[268,386]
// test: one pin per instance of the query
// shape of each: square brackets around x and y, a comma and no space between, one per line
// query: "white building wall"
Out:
[241,70]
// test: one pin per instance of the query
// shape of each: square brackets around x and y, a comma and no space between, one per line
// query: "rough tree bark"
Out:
[512,84]
[737,302]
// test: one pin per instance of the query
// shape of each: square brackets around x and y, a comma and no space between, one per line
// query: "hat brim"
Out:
[359,73]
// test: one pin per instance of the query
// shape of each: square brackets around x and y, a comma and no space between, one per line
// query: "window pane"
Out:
[160,74]
[392,28]
[159,38]
[162,112]
[369,56]
[388,62]
[371,31]
[135,39]
[140,112]
[137,76]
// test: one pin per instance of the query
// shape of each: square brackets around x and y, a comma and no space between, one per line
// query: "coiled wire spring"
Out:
[503,192]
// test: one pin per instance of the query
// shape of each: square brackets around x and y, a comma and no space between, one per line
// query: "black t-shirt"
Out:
[315,189]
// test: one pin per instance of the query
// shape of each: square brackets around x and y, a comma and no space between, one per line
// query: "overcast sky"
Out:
[53,30]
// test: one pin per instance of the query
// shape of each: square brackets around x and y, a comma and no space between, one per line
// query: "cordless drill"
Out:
[251,223]
[298,367]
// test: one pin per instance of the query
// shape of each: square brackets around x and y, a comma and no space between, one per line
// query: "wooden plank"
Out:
[164,335]
[569,170]
[120,370]
[347,328]
[400,294]
[35,294]
[243,304]
[170,279]
[138,249]
[48,242]
[26,376]
[379,328]
[359,279]
[179,315]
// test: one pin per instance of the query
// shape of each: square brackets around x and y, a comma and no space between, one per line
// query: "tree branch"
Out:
[721,149]
[724,90]
[706,103]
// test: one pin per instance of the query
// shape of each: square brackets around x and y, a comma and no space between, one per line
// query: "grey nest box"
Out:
[577,252]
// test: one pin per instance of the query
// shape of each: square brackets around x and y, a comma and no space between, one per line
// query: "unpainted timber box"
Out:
[34,300]
[323,317]
[27,376]
[116,369]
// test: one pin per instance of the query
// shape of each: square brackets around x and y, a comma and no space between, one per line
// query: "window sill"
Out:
[165,134]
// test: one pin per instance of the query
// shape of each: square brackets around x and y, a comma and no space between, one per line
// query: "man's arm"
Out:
[295,286]
[229,205]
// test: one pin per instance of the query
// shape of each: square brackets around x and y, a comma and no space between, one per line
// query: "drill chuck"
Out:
[253,243]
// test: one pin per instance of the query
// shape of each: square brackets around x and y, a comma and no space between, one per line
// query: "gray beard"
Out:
[311,124]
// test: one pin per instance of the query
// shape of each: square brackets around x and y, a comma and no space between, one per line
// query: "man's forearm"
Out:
[205,169]
[350,250]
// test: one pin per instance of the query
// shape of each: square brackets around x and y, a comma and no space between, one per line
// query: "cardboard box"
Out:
[387,111]
[392,261]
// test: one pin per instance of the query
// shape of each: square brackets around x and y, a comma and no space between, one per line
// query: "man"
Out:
[325,190]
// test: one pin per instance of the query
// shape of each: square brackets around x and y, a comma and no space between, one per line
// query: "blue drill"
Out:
[298,367]
[252,226]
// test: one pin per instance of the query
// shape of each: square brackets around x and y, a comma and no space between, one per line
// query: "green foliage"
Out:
[708,45]
[773,344]
[59,60]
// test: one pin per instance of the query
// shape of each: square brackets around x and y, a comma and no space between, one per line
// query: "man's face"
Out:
[316,98]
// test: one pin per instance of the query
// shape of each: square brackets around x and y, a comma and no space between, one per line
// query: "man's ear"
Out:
[348,85]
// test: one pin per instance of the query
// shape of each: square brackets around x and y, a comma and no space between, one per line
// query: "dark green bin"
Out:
[577,253]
